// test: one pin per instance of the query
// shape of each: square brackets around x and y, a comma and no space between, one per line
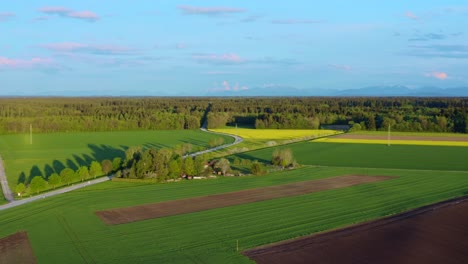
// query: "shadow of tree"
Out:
[48,170]
[248,157]
[35,171]
[58,166]
[21,178]
[71,165]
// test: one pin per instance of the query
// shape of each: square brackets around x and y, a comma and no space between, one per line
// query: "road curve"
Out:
[237,140]
[13,203]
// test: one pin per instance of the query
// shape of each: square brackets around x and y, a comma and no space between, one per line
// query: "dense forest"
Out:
[114,113]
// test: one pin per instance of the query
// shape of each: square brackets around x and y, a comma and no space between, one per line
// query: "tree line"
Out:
[111,114]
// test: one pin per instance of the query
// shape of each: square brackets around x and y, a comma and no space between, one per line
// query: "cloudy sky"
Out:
[200,47]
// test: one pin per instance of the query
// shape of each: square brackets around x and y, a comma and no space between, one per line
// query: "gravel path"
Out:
[14,203]
[3,180]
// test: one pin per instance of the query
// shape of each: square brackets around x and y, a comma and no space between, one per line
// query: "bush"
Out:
[257,168]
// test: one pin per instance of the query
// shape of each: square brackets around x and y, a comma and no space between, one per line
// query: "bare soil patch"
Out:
[16,249]
[432,234]
[420,138]
[184,206]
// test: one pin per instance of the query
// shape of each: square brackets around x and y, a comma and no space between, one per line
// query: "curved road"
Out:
[14,203]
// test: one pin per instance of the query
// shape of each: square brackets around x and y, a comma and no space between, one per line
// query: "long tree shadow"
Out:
[58,166]
[102,152]
[80,161]
[48,170]
[22,178]
[249,157]
[71,165]
[35,171]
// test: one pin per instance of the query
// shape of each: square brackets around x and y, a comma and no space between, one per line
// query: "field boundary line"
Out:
[378,168]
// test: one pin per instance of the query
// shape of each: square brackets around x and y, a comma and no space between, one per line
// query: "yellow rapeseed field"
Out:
[394,142]
[275,134]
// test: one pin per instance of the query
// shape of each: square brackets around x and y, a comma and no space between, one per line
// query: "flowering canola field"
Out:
[275,134]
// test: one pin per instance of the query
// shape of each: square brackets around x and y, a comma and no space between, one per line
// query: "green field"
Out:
[53,152]
[64,229]
[372,156]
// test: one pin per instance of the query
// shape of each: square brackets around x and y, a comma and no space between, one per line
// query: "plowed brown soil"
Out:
[16,249]
[432,234]
[419,138]
[149,211]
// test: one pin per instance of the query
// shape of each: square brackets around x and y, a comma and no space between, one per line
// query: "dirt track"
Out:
[16,249]
[432,234]
[420,138]
[156,210]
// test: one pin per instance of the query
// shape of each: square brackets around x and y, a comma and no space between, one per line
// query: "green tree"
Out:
[95,169]
[54,180]
[106,166]
[199,164]
[83,173]
[174,169]
[116,163]
[67,175]
[20,188]
[37,184]
[189,166]
[223,165]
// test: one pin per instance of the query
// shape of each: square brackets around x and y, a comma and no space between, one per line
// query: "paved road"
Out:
[236,141]
[3,180]
[14,203]
[53,193]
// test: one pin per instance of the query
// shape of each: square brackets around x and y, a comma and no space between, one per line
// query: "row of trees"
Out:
[161,165]
[66,177]
[108,114]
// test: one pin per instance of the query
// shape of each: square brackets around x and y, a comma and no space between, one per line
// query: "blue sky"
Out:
[202,47]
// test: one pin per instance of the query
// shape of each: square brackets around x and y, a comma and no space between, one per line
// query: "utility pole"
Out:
[30,134]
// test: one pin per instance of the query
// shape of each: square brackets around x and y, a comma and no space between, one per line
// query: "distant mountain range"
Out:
[376,91]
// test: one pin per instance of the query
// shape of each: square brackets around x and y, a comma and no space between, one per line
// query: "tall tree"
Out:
[83,173]
[37,184]
[106,166]
[189,166]
[20,188]
[199,164]
[67,175]
[174,169]
[54,180]
[95,169]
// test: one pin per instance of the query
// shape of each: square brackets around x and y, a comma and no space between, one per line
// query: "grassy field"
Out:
[53,152]
[394,142]
[65,228]
[371,156]
[419,134]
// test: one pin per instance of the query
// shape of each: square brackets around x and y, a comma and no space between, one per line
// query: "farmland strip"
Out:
[16,249]
[169,208]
